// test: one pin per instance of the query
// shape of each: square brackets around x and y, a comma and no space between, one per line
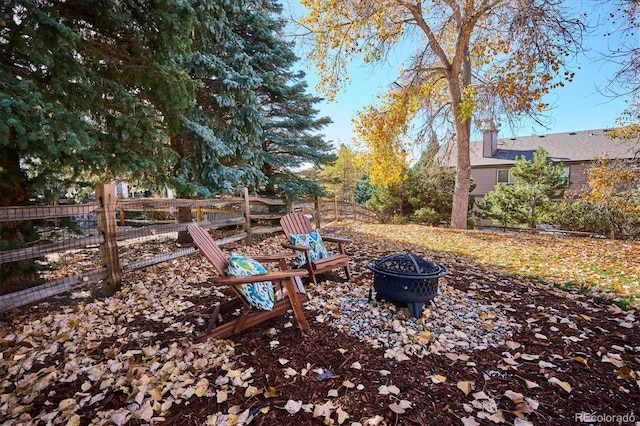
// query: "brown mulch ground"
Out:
[592,346]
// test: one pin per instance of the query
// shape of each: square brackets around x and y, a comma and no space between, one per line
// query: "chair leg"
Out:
[313,276]
[212,321]
[347,271]
[290,285]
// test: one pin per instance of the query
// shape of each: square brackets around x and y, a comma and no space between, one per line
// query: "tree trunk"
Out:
[460,206]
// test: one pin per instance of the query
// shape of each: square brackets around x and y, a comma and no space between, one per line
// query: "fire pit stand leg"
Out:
[415,308]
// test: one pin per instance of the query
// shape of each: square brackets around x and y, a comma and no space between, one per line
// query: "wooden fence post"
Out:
[316,204]
[123,222]
[105,195]
[199,214]
[184,216]
[246,209]
[355,210]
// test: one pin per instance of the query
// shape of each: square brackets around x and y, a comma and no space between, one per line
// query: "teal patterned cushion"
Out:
[314,241]
[259,295]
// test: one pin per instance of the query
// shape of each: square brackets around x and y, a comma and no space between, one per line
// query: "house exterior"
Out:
[493,157]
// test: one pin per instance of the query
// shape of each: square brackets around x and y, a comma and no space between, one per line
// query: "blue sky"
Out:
[579,105]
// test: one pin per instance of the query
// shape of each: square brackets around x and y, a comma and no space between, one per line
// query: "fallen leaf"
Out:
[290,372]
[322,410]
[270,392]
[342,415]
[580,360]
[613,359]
[423,336]
[396,408]
[626,373]
[252,391]
[73,420]
[545,364]
[438,379]
[386,390]
[465,387]
[512,345]
[529,357]
[496,417]
[201,387]
[514,396]
[146,412]
[480,395]
[292,406]
[469,421]
[557,382]
[397,355]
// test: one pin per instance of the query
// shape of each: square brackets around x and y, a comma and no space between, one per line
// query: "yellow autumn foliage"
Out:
[381,129]
[489,56]
[611,185]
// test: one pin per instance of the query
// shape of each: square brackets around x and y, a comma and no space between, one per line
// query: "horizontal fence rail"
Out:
[93,234]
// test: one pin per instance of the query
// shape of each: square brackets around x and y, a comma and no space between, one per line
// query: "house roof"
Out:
[576,146]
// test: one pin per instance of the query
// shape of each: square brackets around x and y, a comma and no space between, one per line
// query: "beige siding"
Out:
[484,179]
[577,176]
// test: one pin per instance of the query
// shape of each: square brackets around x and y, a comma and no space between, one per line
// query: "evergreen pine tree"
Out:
[529,199]
[290,140]
[219,142]
[88,91]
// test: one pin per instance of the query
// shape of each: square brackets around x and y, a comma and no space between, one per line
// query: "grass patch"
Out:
[608,268]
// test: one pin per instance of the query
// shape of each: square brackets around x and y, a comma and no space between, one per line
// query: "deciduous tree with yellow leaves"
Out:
[470,59]
[624,21]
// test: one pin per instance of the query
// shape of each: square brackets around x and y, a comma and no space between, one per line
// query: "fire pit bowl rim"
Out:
[373,265]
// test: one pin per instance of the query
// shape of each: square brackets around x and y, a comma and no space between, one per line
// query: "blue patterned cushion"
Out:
[314,241]
[259,295]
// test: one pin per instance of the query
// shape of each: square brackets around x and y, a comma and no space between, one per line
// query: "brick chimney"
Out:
[489,143]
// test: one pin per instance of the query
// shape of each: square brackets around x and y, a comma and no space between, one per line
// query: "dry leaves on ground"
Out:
[492,349]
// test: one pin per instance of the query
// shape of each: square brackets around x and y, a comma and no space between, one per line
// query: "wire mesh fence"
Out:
[49,250]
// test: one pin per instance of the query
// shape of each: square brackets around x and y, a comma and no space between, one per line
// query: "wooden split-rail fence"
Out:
[110,221]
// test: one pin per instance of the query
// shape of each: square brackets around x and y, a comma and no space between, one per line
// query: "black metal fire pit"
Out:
[406,278]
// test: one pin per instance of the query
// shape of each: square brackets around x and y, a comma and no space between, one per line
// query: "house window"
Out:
[565,176]
[505,176]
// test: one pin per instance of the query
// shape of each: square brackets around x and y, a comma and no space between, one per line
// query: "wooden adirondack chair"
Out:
[288,289]
[297,223]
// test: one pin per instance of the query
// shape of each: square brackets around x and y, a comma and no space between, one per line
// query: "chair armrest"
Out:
[292,247]
[336,239]
[305,249]
[249,279]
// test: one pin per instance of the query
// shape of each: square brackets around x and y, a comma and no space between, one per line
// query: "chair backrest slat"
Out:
[295,223]
[207,245]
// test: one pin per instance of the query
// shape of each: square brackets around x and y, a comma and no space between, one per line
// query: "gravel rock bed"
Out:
[453,322]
